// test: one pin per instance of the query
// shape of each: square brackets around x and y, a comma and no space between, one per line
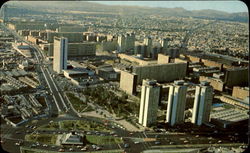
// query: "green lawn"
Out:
[42,138]
[50,126]
[78,104]
[75,124]
[103,140]
[83,125]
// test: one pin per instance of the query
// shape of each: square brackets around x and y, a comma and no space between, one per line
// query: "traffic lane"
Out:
[59,93]
[54,91]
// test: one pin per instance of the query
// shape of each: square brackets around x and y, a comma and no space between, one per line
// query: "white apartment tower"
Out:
[60,54]
[176,103]
[126,43]
[121,43]
[150,96]
[202,103]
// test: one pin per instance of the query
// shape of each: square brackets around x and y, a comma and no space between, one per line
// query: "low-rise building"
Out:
[228,117]
[240,92]
[107,72]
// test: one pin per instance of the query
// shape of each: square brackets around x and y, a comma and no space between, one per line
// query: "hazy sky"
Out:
[227,6]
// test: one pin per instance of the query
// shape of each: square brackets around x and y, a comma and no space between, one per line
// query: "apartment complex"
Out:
[60,54]
[150,96]
[202,103]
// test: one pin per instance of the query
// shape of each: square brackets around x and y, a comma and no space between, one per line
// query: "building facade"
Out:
[150,96]
[149,43]
[164,45]
[121,43]
[176,103]
[126,43]
[128,82]
[60,54]
[202,103]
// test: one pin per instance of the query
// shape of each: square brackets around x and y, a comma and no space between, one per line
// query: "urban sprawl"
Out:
[103,82]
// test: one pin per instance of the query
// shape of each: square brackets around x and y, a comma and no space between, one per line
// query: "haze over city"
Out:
[128,76]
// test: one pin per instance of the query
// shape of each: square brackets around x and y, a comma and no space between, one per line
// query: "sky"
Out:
[226,6]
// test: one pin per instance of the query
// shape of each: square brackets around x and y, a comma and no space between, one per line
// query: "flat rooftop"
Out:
[229,115]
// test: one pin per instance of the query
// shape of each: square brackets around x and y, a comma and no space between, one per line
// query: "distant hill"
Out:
[60,7]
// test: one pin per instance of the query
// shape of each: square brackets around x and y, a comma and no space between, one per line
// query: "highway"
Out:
[61,103]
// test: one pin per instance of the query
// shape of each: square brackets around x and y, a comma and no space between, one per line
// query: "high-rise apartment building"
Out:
[128,82]
[126,43]
[202,103]
[149,43]
[121,43]
[60,54]
[130,41]
[150,96]
[164,45]
[176,103]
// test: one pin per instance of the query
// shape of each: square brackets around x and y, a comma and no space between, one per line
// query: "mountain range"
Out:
[60,7]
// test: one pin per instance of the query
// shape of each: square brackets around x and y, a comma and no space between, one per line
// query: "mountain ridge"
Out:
[129,10]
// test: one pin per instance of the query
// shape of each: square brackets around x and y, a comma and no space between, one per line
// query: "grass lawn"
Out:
[78,104]
[83,125]
[42,138]
[87,109]
[50,126]
[103,140]
[75,124]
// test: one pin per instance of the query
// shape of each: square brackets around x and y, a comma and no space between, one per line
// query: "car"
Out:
[126,145]
[88,133]
[33,146]
[61,150]
[171,143]
[98,148]
[157,142]
[71,149]
[45,145]
[84,149]
[137,142]
[17,144]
